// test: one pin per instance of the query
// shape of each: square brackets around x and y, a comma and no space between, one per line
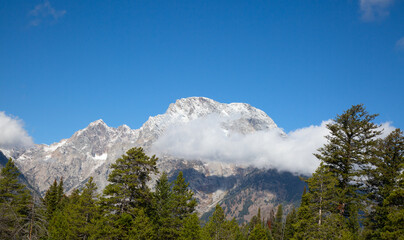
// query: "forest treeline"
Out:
[357,192]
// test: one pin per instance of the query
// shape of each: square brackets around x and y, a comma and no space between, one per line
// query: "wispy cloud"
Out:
[45,12]
[12,132]
[400,44]
[373,10]
[204,139]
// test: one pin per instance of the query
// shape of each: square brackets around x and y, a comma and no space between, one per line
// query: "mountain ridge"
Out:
[90,151]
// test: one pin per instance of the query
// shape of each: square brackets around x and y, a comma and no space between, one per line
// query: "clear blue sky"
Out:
[64,64]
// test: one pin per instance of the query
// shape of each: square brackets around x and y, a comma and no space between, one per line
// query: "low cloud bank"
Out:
[12,133]
[205,139]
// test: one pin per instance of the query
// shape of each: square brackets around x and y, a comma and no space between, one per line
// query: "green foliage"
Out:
[323,195]
[142,227]
[347,155]
[277,228]
[183,198]
[305,218]
[290,221]
[172,205]
[74,220]
[128,188]
[191,229]
[54,198]
[218,227]
[258,233]
[15,201]
[164,206]
[127,197]
[386,192]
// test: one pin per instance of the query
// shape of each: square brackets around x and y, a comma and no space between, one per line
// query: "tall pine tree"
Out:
[163,209]
[128,182]
[348,153]
[384,183]
[277,229]
[127,195]
[15,202]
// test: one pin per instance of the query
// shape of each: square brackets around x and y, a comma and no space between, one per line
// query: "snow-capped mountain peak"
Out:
[91,150]
[97,122]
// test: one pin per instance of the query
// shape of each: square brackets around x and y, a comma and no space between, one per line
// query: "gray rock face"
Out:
[90,151]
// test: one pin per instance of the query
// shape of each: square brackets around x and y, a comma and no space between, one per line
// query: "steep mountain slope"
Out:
[90,151]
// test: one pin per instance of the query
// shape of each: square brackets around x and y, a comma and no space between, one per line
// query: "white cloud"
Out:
[43,12]
[386,128]
[204,139]
[12,132]
[400,44]
[374,9]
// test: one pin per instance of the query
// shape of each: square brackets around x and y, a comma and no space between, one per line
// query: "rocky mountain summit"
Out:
[241,189]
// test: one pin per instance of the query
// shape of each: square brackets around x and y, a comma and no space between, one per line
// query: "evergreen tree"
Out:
[322,201]
[184,203]
[304,218]
[255,220]
[15,200]
[233,230]
[164,206]
[128,188]
[214,228]
[348,154]
[127,195]
[59,224]
[248,227]
[191,229]
[142,227]
[258,233]
[53,199]
[218,227]
[394,227]
[88,209]
[291,219]
[38,225]
[277,229]
[384,184]
[172,205]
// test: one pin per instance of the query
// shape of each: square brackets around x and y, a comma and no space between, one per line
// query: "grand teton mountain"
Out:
[240,188]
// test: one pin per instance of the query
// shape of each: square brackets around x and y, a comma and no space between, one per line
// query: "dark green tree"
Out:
[248,228]
[348,153]
[394,227]
[323,195]
[127,195]
[184,203]
[255,220]
[305,219]
[218,227]
[142,227]
[191,229]
[164,206]
[15,201]
[291,219]
[88,209]
[323,204]
[75,219]
[54,198]
[214,228]
[384,183]
[277,229]
[258,233]
[128,188]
